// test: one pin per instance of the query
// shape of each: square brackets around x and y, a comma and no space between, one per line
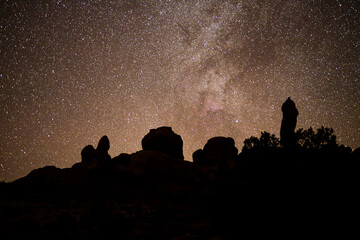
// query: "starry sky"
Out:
[73,71]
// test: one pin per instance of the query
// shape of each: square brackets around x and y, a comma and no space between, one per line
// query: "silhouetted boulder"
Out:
[198,156]
[164,140]
[88,154]
[356,154]
[217,150]
[345,149]
[123,159]
[103,148]
[147,161]
[45,175]
[91,156]
[103,145]
[288,123]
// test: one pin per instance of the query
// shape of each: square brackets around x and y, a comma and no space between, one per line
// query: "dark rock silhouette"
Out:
[122,159]
[356,154]
[164,140]
[217,150]
[91,156]
[288,123]
[150,194]
[197,156]
[103,148]
[88,154]
[103,145]
[144,195]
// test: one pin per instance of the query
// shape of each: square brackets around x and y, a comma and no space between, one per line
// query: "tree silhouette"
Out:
[266,141]
[322,139]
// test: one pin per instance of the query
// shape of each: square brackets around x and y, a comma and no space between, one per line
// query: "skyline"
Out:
[72,72]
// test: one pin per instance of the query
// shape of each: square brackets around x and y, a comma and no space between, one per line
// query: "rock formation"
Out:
[217,150]
[90,155]
[103,145]
[151,194]
[356,154]
[288,123]
[103,148]
[198,156]
[164,140]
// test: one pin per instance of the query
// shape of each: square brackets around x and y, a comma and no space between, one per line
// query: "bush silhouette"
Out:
[322,139]
[266,141]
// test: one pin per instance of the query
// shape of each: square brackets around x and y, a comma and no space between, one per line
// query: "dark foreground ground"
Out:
[149,195]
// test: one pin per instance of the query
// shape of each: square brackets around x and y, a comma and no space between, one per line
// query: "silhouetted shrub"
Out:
[265,141]
[322,139]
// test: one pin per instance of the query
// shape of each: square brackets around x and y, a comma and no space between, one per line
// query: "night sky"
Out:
[73,71]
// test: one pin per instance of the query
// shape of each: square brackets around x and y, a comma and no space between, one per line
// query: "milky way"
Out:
[73,71]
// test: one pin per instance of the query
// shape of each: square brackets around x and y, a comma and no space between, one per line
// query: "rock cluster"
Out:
[151,194]
[163,139]
[217,151]
[90,155]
